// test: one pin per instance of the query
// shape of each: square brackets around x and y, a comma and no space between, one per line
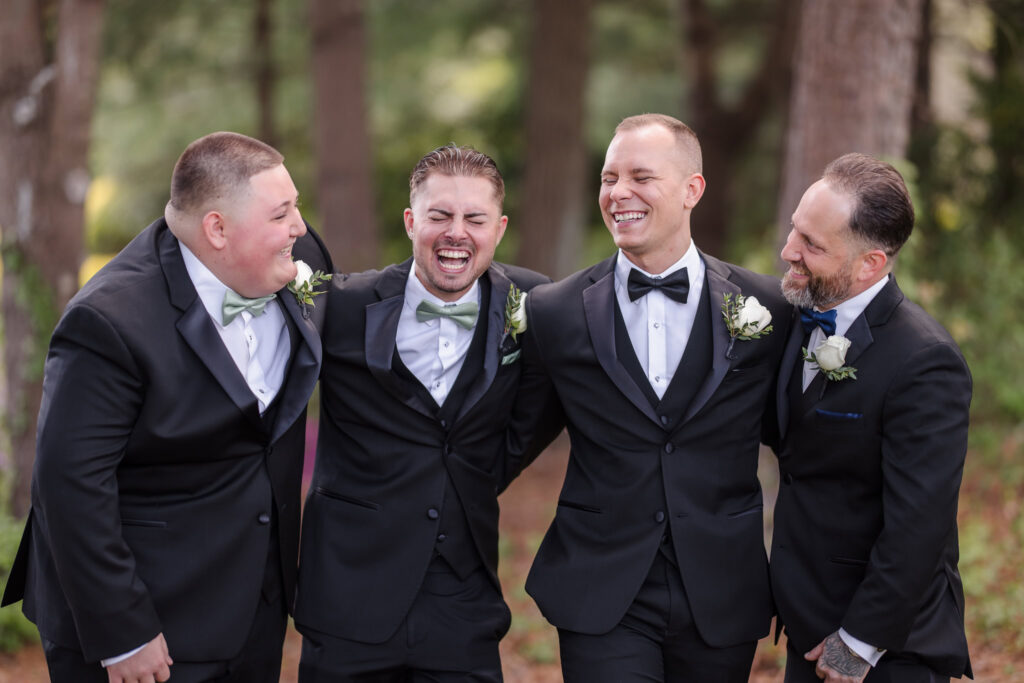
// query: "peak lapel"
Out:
[598,305]
[791,362]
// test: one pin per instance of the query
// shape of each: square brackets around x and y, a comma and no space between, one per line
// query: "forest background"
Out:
[99,97]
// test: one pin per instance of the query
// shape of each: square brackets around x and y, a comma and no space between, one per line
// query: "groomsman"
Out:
[873,439]
[654,567]
[421,366]
[164,527]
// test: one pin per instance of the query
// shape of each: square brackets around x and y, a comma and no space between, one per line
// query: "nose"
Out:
[789,252]
[298,225]
[620,190]
[456,229]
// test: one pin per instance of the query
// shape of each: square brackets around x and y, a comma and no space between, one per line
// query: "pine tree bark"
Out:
[48,79]
[554,187]
[853,88]
[341,133]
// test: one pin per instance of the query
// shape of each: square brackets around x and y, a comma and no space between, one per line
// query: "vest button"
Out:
[659,516]
[669,447]
[264,518]
[432,513]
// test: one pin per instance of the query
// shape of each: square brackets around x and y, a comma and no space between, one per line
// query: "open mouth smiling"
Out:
[453,260]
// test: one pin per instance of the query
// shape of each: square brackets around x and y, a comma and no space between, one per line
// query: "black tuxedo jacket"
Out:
[385,456]
[156,479]
[865,524]
[638,470]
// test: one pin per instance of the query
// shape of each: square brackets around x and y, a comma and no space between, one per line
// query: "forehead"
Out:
[446,191]
[822,211]
[648,147]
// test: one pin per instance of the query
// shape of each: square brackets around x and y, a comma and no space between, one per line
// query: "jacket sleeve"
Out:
[924,443]
[92,395]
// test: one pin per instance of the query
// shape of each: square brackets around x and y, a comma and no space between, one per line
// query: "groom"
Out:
[165,498]
[654,566]
[864,552]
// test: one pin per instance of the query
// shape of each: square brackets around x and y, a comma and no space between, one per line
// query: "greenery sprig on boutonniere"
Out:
[830,357]
[305,283]
[745,318]
[515,324]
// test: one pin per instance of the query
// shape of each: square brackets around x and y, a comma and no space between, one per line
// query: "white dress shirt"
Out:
[659,327]
[846,313]
[263,339]
[433,350]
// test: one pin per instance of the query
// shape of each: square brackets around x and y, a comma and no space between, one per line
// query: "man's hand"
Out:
[149,665]
[836,662]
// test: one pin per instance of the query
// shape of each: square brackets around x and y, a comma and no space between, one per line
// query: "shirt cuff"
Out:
[120,658]
[868,653]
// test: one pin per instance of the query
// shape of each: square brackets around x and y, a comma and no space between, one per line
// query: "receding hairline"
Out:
[686,139]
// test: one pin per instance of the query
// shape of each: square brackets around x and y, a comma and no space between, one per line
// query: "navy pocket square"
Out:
[833,415]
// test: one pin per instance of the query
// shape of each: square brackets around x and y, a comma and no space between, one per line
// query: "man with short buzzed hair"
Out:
[164,527]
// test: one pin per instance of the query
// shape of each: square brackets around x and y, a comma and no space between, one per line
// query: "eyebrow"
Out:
[633,171]
[443,212]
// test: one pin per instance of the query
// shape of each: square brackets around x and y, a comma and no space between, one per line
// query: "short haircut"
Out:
[456,160]
[686,139]
[216,166]
[882,213]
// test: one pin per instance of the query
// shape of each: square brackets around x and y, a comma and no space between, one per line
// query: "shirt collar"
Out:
[415,292]
[689,260]
[210,289]
[849,310]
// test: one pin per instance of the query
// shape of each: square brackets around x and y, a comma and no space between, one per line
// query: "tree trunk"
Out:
[853,88]
[263,72]
[341,133]
[554,188]
[47,92]
[726,132]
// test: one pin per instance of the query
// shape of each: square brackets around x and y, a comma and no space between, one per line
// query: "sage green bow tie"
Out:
[462,314]
[236,303]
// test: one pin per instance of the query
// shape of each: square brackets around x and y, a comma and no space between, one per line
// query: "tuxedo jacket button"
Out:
[441,537]
[664,419]
[432,513]
[264,518]
[659,516]
[669,447]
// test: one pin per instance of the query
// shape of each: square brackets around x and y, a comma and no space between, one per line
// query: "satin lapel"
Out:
[718,286]
[494,319]
[791,362]
[598,305]
[381,332]
[199,332]
[303,370]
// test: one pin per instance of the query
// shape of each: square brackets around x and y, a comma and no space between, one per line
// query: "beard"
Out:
[820,291]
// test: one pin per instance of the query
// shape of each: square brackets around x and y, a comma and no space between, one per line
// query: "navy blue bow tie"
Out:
[811,318]
[676,286]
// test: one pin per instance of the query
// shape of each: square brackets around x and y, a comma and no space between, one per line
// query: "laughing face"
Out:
[259,229]
[455,223]
[647,194]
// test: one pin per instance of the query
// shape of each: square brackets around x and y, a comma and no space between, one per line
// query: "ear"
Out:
[214,229]
[502,224]
[408,219]
[873,264]
[694,190]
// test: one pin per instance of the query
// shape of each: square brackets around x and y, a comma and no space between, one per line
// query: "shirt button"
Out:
[657,325]
[657,378]
[432,513]
[446,344]
[659,516]
[669,447]
[264,518]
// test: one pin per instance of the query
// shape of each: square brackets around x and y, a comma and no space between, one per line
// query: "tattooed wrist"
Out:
[841,659]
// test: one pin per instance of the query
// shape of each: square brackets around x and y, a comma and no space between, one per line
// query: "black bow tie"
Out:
[676,286]
[811,318]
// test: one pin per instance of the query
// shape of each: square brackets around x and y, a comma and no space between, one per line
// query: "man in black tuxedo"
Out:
[163,533]
[397,578]
[864,553]
[654,567]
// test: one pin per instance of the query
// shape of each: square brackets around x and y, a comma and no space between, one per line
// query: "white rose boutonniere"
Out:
[745,318]
[515,324]
[305,283]
[830,357]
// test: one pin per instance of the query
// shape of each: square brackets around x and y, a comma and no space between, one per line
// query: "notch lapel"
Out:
[381,332]
[718,286]
[198,331]
[598,306]
[303,370]
[494,319]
